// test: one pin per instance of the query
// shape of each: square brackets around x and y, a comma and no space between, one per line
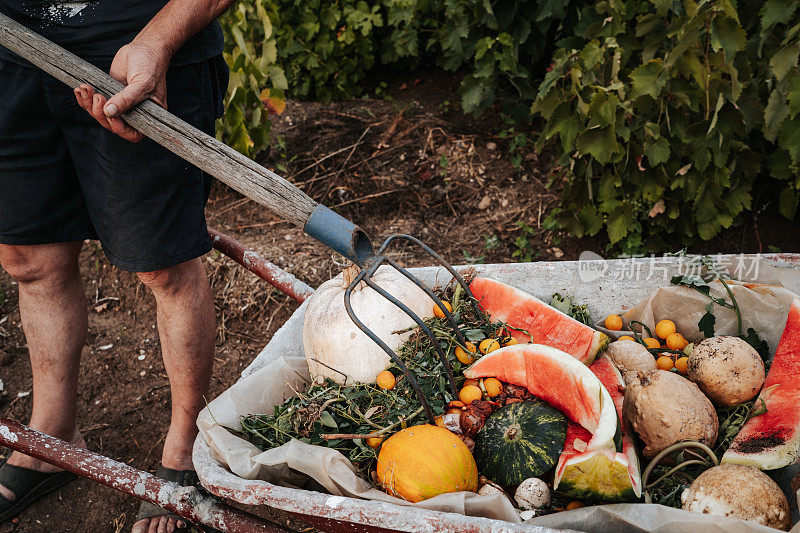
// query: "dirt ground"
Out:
[411,165]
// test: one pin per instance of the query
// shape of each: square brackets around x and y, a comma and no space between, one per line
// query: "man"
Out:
[67,175]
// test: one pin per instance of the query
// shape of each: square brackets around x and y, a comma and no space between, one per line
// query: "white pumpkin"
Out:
[334,346]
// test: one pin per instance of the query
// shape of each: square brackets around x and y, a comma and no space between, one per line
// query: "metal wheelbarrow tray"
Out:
[606,286]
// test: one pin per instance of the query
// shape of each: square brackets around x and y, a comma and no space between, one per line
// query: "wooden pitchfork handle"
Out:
[207,153]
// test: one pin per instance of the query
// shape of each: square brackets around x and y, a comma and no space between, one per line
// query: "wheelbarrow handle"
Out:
[205,152]
[186,502]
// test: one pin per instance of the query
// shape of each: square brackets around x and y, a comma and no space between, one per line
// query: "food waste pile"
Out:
[548,411]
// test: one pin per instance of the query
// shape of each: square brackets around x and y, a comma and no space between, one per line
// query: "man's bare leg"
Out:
[54,318]
[186,327]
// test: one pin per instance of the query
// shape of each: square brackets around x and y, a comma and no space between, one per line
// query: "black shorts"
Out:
[63,177]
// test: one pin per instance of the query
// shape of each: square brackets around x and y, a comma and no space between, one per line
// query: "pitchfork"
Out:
[252,180]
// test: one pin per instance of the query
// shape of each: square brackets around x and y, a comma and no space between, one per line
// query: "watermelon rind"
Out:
[519,441]
[543,323]
[602,475]
[771,440]
[511,364]
[770,458]
[598,476]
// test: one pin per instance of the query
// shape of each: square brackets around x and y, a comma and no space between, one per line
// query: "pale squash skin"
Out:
[424,461]
[330,337]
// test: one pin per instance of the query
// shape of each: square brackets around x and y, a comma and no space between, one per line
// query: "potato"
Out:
[665,408]
[738,491]
[727,369]
[630,356]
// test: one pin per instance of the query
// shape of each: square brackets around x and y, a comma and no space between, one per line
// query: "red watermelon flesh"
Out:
[601,475]
[558,379]
[771,440]
[546,325]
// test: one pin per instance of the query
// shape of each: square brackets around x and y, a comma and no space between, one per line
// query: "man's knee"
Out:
[170,279]
[31,264]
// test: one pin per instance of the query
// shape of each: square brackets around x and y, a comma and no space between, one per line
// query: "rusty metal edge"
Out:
[340,508]
[252,261]
[186,502]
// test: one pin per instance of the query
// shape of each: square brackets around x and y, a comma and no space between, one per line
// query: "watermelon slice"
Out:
[600,475]
[771,440]
[546,325]
[560,380]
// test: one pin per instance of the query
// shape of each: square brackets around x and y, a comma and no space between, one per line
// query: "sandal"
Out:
[184,478]
[28,486]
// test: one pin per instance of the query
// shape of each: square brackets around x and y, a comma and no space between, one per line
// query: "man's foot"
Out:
[154,519]
[24,480]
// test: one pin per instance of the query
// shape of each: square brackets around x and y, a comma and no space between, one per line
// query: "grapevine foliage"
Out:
[665,115]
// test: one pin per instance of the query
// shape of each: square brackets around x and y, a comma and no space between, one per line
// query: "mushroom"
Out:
[741,492]
[488,490]
[630,356]
[727,369]
[533,493]
[665,408]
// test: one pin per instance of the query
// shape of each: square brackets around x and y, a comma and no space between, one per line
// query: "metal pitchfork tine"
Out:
[369,267]
[246,176]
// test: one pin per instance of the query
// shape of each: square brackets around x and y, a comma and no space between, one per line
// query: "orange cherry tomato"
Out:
[466,357]
[665,328]
[665,362]
[386,380]
[651,342]
[675,341]
[488,346]
[469,394]
[509,341]
[492,386]
[613,322]
[437,311]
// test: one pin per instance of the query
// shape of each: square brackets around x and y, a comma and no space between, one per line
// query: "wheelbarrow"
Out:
[606,286]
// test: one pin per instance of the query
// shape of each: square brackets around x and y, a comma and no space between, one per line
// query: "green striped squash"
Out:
[519,441]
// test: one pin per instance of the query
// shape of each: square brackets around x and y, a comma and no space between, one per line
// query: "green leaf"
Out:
[774,115]
[662,6]
[590,219]
[793,94]
[648,79]
[756,342]
[240,140]
[789,138]
[707,322]
[327,420]
[691,280]
[727,35]
[776,12]
[657,152]
[619,223]
[568,131]
[471,94]
[720,103]
[278,78]
[784,60]
[474,335]
[591,54]
[600,143]
[739,198]
[787,202]
[603,109]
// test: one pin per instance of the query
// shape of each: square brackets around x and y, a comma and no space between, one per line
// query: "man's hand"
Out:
[143,68]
